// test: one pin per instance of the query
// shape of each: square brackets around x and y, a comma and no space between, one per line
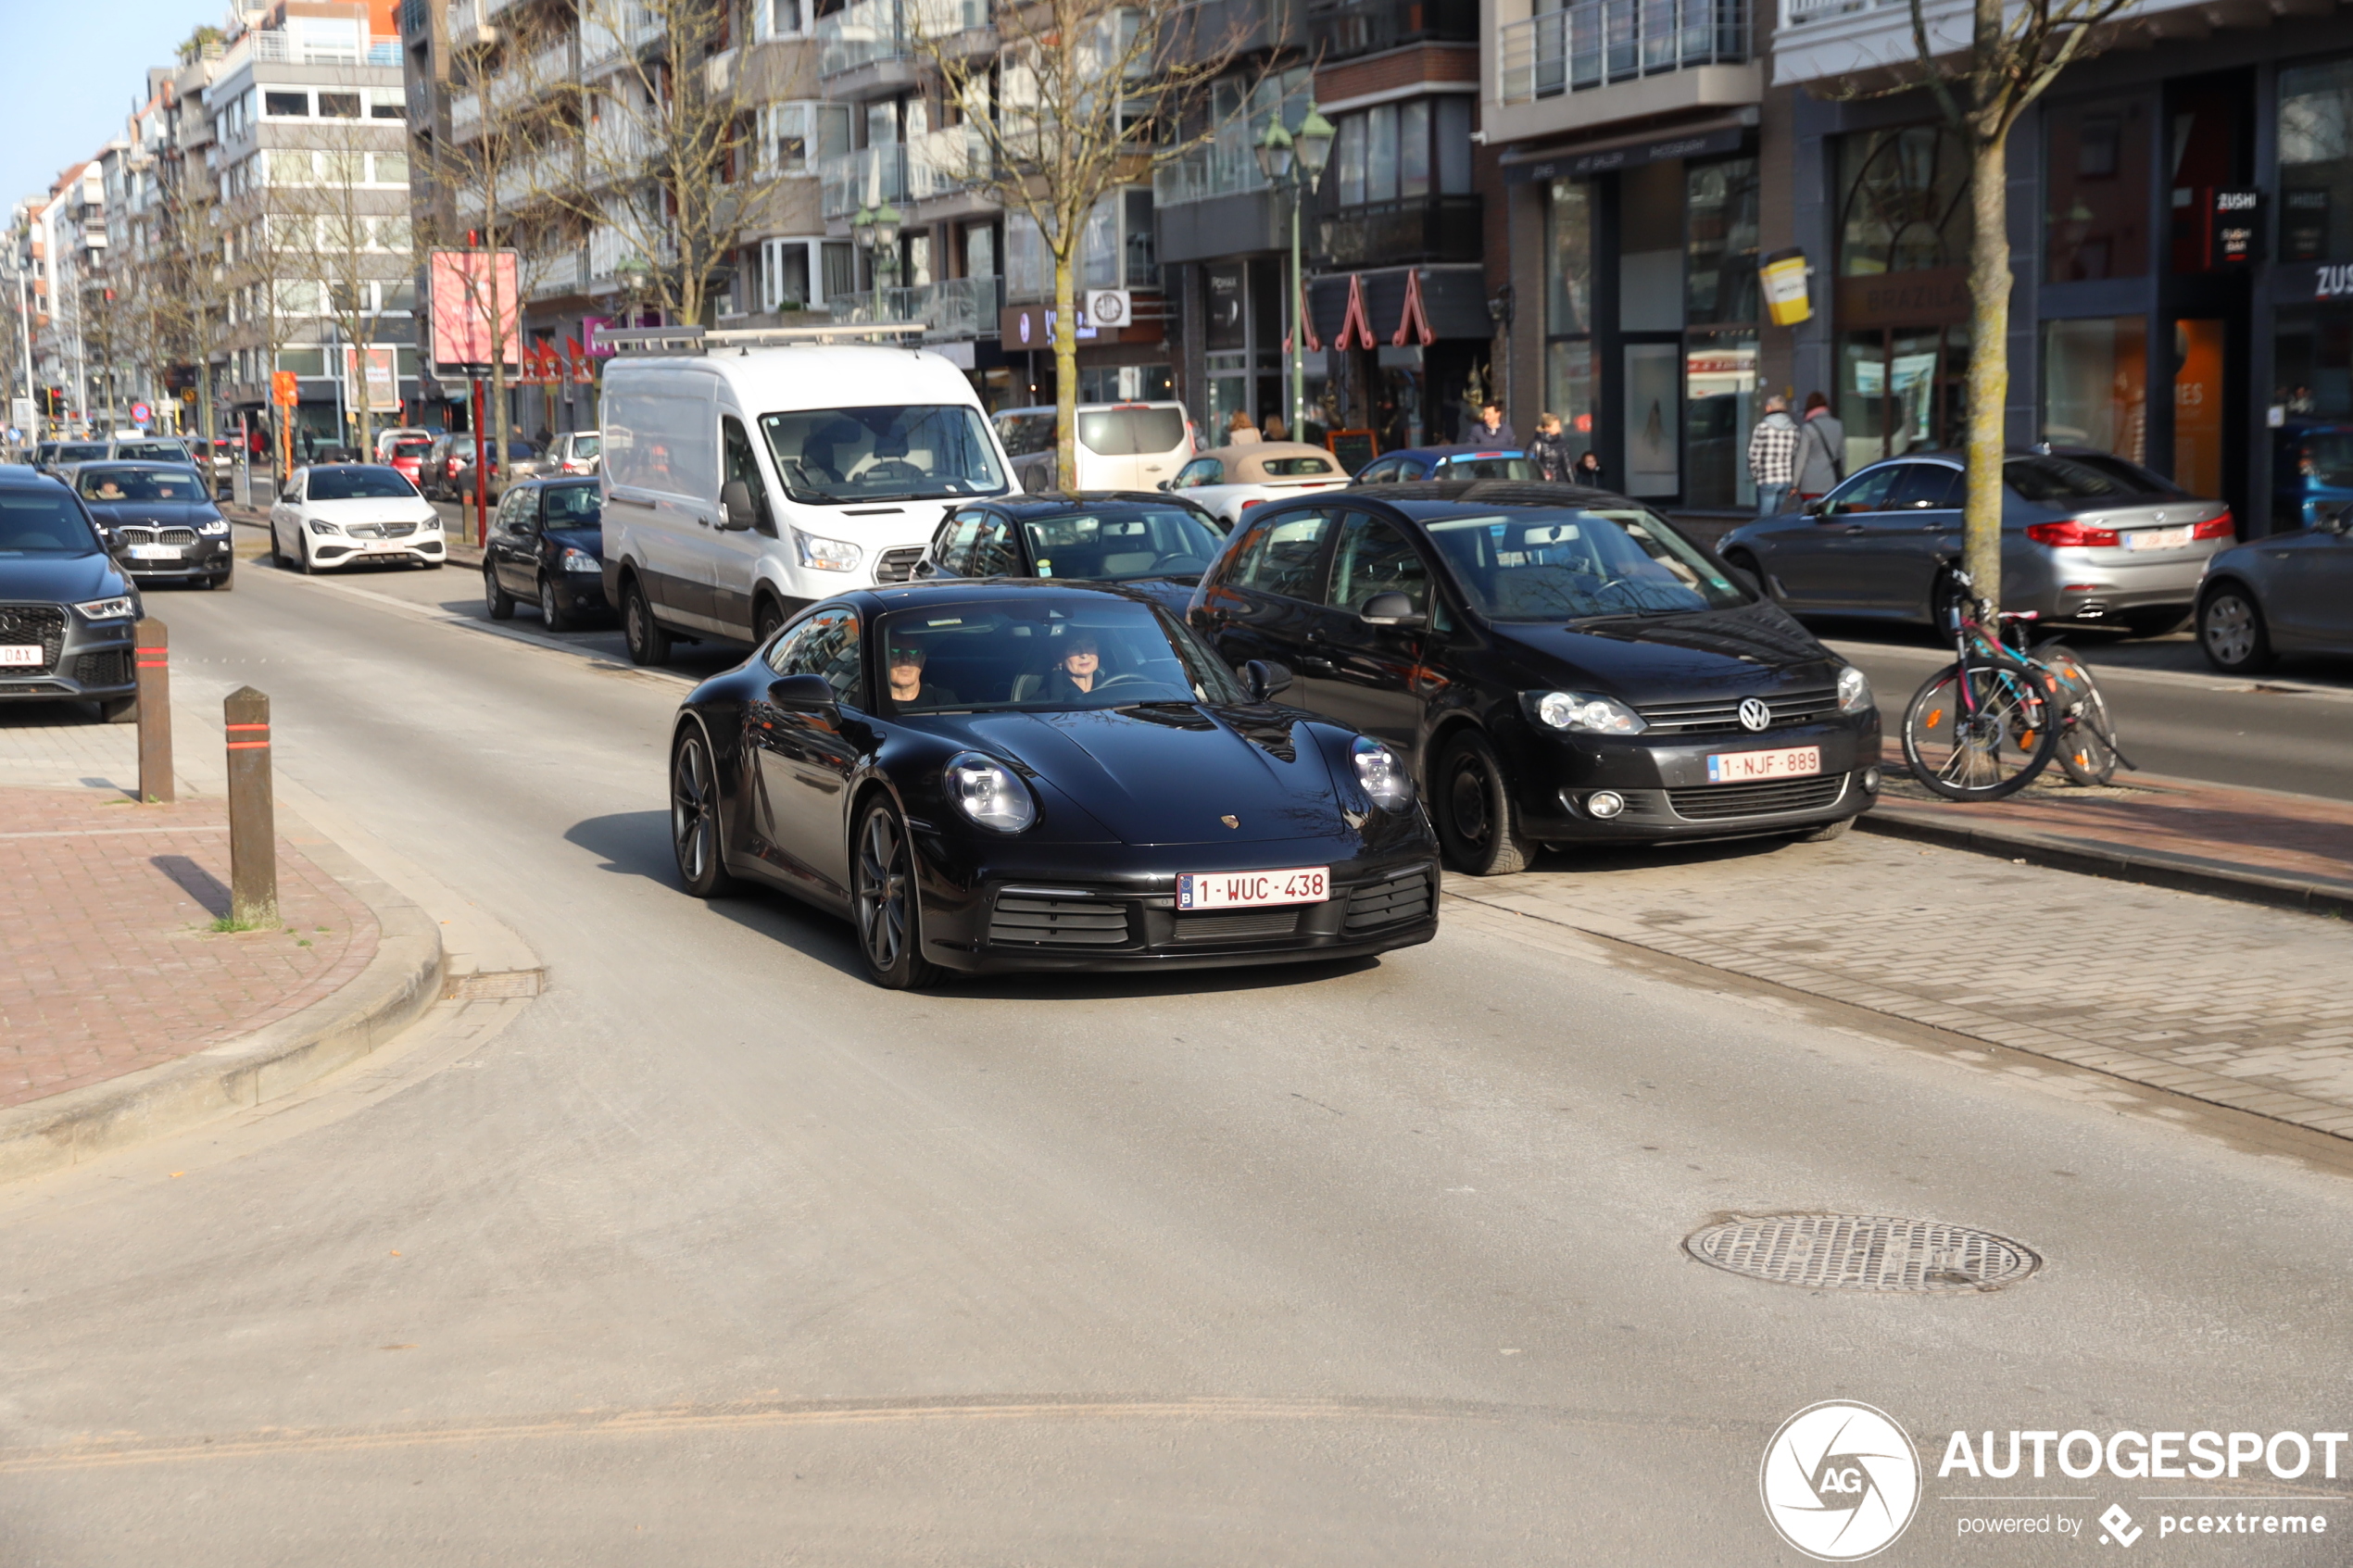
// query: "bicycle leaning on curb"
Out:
[1987,725]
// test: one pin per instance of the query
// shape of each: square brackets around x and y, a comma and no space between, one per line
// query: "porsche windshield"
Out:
[1567,564]
[1046,654]
[907,452]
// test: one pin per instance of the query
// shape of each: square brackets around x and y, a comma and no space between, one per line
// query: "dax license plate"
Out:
[1739,766]
[23,655]
[1227,890]
[2156,538]
[154,552]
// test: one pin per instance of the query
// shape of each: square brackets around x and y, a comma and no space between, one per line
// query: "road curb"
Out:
[403,979]
[2153,868]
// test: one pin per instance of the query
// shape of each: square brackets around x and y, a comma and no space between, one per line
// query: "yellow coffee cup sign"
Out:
[1783,274]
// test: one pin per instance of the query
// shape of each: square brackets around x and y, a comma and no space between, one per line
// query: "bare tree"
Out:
[2014,52]
[1080,98]
[338,238]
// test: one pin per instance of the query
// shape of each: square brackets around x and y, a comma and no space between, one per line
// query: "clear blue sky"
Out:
[69,72]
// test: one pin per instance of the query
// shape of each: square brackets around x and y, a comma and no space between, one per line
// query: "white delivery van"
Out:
[1121,446]
[746,475]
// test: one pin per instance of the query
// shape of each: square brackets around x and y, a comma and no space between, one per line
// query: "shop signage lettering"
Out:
[1580,166]
[1903,299]
[2333,283]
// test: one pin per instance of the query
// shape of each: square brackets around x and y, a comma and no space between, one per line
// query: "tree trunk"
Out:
[1989,368]
[1066,368]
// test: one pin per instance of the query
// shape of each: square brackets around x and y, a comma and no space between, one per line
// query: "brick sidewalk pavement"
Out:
[106,965]
[2228,1002]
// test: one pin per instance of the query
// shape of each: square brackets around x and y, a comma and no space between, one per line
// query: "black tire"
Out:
[495,597]
[2087,737]
[118,710]
[2153,622]
[2232,632]
[698,828]
[767,616]
[884,901]
[222,583]
[1478,824]
[434,565]
[302,557]
[647,642]
[1746,562]
[1828,832]
[551,612]
[1994,753]
[277,556]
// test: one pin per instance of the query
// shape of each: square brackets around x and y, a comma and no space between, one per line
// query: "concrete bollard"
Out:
[253,812]
[153,641]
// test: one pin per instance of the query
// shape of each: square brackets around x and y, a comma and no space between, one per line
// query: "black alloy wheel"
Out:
[495,597]
[2231,630]
[648,643]
[1477,824]
[551,610]
[696,834]
[882,886]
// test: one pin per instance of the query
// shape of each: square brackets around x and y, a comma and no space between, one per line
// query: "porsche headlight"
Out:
[1586,714]
[1383,777]
[1853,691]
[989,793]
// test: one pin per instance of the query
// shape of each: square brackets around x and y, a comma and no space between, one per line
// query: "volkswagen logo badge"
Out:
[1754,715]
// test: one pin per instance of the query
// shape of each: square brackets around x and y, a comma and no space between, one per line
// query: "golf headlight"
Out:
[988,793]
[580,560]
[320,525]
[213,526]
[1383,777]
[1853,691]
[105,610]
[826,555]
[1586,714]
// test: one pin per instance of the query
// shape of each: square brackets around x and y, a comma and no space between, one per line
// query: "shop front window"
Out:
[2316,162]
[2096,386]
[2096,181]
[1570,391]
[1719,271]
[1719,391]
[1569,385]
[1903,201]
[1901,390]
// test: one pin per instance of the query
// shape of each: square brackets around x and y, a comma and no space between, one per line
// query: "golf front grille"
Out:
[1709,803]
[1058,923]
[1237,925]
[1869,1252]
[1722,715]
[1393,902]
[897,566]
[44,624]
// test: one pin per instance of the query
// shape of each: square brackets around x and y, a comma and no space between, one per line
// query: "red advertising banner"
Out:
[465,283]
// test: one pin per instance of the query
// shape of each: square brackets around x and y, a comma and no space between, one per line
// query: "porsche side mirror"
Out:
[734,502]
[1265,678]
[1391,610]
[803,694]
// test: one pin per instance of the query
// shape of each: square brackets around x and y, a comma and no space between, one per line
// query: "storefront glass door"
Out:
[2197,406]
[1902,390]
[1653,419]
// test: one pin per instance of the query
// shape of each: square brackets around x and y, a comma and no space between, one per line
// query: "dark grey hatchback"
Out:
[66,608]
[1558,665]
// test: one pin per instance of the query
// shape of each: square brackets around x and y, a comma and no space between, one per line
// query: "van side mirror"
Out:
[1391,608]
[735,501]
[1265,678]
[803,694]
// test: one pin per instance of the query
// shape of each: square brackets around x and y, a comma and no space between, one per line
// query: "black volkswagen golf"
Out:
[1039,775]
[1556,665]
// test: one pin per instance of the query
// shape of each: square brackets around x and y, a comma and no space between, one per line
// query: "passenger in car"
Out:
[1075,676]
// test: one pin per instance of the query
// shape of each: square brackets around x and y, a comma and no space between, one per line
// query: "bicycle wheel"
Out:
[2087,736]
[1985,745]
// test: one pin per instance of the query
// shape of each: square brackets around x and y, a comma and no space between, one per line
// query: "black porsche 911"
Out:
[1027,775]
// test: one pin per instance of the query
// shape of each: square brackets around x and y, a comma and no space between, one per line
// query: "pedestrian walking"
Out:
[1276,430]
[1549,451]
[1821,454]
[1772,457]
[1588,469]
[1239,431]
[310,443]
[1492,429]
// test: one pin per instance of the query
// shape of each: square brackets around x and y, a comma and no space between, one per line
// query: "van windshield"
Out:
[894,453]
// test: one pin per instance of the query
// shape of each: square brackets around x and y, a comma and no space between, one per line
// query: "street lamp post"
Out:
[1295,161]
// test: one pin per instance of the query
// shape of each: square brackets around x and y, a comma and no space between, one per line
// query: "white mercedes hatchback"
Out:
[337,514]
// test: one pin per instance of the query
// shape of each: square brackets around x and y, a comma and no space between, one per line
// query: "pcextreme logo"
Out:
[1839,1481]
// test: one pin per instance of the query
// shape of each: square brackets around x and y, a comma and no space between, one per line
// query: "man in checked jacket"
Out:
[1772,457]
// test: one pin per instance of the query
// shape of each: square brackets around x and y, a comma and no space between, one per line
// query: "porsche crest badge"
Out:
[1231,821]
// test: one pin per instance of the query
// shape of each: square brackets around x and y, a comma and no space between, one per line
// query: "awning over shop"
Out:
[1399,307]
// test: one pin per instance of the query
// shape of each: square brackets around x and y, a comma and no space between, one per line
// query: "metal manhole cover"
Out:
[1862,1252]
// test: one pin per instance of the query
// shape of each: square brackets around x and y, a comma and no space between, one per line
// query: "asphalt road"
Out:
[719,1255]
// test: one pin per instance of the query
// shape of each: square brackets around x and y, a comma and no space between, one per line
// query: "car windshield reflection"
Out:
[44,523]
[900,453]
[1046,654]
[1115,544]
[139,484]
[359,484]
[1557,564]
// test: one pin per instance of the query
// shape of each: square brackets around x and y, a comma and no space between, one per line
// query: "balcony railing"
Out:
[293,49]
[1224,166]
[1342,29]
[957,308]
[945,161]
[599,42]
[1595,43]
[868,177]
[555,273]
[1437,229]
[869,30]
[465,115]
